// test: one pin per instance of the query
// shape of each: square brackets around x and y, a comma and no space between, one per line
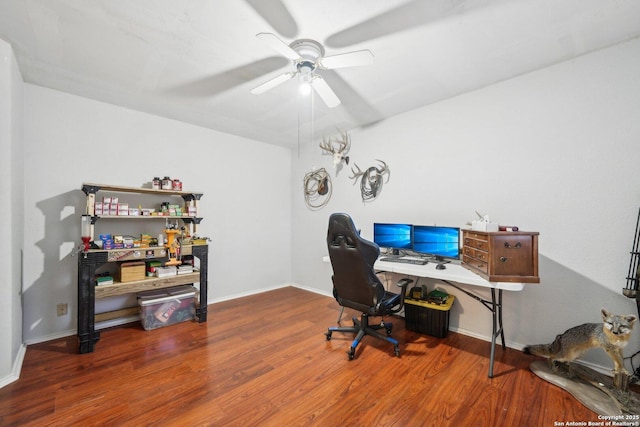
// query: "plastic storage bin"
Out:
[164,307]
[428,318]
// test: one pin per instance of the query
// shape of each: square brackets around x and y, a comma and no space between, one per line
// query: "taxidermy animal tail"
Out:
[612,335]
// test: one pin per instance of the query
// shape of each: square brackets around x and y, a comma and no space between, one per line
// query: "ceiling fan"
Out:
[308,57]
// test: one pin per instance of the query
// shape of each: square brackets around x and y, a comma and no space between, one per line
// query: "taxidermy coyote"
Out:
[612,336]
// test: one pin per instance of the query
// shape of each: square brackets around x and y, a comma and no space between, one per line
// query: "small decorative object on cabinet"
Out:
[95,257]
[502,256]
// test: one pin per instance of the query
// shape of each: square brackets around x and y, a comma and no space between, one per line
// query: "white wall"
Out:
[70,140]
[12,225]
[555,151]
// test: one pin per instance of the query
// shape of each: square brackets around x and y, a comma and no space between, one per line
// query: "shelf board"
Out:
[146,248]
[122,288]
[117,314]
[146,217]
[185,245]
[122,189]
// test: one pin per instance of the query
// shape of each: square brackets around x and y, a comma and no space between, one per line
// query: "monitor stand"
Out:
[391,253]
[439,261]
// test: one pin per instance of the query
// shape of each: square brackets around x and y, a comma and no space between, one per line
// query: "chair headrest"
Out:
[343,232]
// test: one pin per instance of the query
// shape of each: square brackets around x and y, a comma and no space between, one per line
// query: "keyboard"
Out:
[416,261]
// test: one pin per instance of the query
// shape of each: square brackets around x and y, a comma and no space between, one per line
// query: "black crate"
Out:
[426,318]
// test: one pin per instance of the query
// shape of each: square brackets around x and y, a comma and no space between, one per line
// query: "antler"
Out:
[357,174]
[340,152]
[384,169]
[327,146]
[345,143]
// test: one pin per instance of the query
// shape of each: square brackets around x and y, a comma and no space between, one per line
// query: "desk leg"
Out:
[496,310]
[495,306]
[504,347]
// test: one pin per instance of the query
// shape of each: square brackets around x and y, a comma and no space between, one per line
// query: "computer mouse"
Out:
[440,267]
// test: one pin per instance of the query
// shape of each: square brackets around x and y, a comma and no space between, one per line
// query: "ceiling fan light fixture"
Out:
[305,88]
[305,70]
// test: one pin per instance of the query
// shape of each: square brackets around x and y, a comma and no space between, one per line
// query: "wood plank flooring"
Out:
[263,360]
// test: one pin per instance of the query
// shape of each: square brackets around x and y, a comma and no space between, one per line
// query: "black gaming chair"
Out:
[355,284]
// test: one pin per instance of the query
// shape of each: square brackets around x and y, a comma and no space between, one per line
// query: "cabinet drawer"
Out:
[474,253]
[475,235]
[476,243]
[481,266]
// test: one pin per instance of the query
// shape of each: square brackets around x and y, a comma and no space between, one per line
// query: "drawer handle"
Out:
[508,245]
[503,258]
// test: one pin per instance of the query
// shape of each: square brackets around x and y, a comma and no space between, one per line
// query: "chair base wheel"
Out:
[362,327]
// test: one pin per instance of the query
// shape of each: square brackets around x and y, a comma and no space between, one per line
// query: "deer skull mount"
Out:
[371,180]
[338,148]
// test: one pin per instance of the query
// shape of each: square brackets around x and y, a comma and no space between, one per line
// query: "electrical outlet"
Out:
[62,309]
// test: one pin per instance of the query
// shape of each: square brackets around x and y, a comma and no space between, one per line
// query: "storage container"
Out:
[151,267]
[164,307]
[428,318]
[131,271]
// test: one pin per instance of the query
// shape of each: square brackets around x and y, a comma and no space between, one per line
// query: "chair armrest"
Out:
[402,283]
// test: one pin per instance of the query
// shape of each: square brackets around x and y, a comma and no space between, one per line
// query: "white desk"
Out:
[453,275]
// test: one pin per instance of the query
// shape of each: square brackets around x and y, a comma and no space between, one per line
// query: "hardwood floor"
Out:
[263,360]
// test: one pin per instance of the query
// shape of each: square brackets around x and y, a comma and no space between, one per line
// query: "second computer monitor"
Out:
[437,241]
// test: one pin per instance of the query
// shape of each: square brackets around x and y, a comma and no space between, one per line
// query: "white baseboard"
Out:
[17,367]
[249,293]
[52,337]
[314,290]
[517,346]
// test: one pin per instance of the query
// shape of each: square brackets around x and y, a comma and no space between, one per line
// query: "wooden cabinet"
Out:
[90,261]
[502,256]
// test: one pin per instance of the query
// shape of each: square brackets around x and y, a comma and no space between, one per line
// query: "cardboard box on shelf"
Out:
[131,271]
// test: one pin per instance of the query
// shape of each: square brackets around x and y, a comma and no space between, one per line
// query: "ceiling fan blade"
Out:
[355,105]
[272,83]
[350,59]
[276,15]
[278,45]
[325,92]
[413,13]
[211,85]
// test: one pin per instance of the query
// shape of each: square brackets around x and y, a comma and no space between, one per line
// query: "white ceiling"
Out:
[196,60]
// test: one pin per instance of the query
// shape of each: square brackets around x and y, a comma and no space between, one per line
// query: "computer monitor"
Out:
[437,241]
[392,236]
